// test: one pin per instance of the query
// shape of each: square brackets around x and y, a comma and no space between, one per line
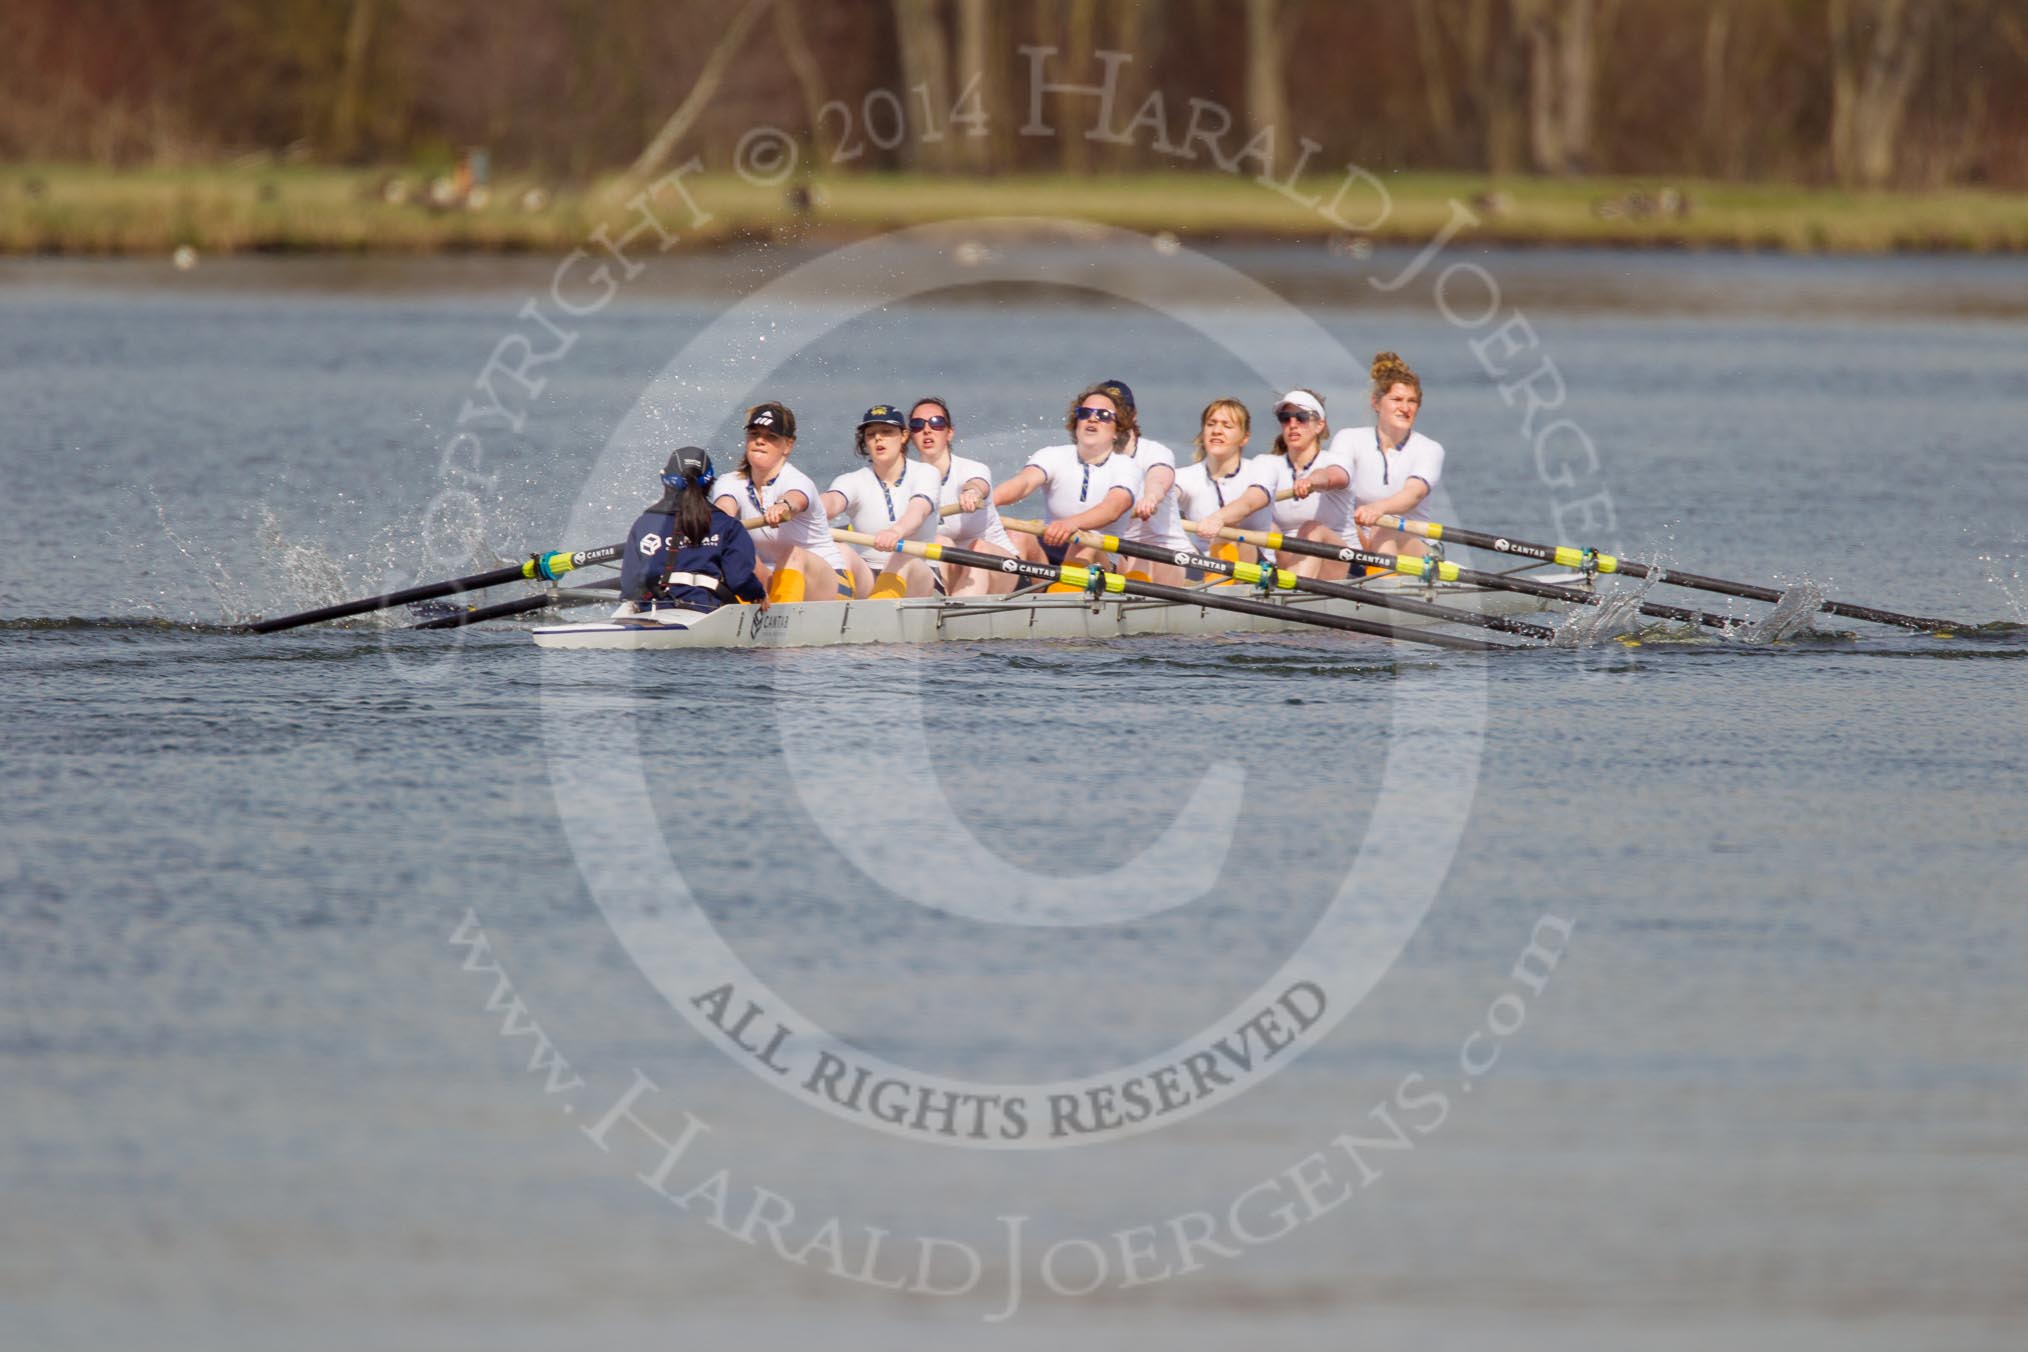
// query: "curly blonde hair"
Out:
[1390,370]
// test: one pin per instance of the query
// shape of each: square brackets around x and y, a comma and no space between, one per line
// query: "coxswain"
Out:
[799,561]
[1086,485]
[1221,489]
[891,498]
[685,555]
[966,485]
[1394,467]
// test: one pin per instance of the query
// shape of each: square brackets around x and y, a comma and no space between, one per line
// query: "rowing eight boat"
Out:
[933,619]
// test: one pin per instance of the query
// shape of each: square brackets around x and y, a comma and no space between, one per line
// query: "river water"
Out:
[1652,994]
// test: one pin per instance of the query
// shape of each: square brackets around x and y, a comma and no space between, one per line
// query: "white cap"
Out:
[1300,399]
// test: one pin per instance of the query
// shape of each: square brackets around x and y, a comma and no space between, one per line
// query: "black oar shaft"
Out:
[534,566]
[480,614]
[521,606]
[1283,580]
[1077,575]
[1608,563]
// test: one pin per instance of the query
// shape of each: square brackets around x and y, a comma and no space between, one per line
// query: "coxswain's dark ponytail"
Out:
[693,514]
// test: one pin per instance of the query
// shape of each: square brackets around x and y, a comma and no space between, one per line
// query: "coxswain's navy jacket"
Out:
[701,576]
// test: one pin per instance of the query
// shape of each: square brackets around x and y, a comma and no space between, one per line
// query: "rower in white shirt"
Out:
[1220,489]
[1087,485]
[968,486]
[1393,466]
[1156,520]
[1321,481]
[891,498]
[798,560]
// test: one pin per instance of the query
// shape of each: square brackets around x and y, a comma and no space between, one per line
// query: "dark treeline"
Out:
[1867,92]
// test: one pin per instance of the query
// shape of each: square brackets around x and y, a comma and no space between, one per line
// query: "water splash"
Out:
[234,601]
[1619,615]
[1793,616]
[2005,577]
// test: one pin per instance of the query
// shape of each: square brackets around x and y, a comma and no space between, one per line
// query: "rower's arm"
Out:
[1328,479]
[976,485]
[1020,486]
[834,503]
[1239,509]
[1116,503]
[912,516]
[1407,500]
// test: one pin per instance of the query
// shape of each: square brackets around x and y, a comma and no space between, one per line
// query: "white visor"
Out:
[1300,399]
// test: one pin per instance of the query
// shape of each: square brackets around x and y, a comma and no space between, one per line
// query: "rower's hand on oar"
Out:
[971,500]
[1368,515]
[1301,488]
[1058,533]
[777,514]
[1146,508]
[887,541]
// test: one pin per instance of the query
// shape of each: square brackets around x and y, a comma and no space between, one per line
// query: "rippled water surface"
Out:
[1770,1093]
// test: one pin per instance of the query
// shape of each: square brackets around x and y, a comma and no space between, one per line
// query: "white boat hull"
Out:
[823,624]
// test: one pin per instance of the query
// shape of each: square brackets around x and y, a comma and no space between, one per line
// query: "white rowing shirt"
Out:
[968,530]
[873,505]
[1164,528]
[809,528]
[1378,474]
[1200,495]
[1332,509]
[1071,486]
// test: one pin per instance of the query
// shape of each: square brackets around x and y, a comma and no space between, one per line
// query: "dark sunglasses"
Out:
[936,422]
[1087,414]
[1295,415]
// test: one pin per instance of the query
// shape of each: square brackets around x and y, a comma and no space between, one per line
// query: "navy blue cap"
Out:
[885,415]
[688,465]
[1123,396]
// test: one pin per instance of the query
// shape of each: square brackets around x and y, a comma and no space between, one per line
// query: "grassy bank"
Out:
[68,210]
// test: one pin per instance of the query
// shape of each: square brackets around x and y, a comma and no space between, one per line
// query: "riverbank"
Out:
[304,209]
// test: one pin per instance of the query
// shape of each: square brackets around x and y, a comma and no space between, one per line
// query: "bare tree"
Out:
[1561,74]
[1266,72]
[1129,33]
[1439,102]
[352,81]
[664,142]
[1080,30]
[802,62]
[976,62]
[925,65]
[1476,115]
[1718,148]
[1876,54]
